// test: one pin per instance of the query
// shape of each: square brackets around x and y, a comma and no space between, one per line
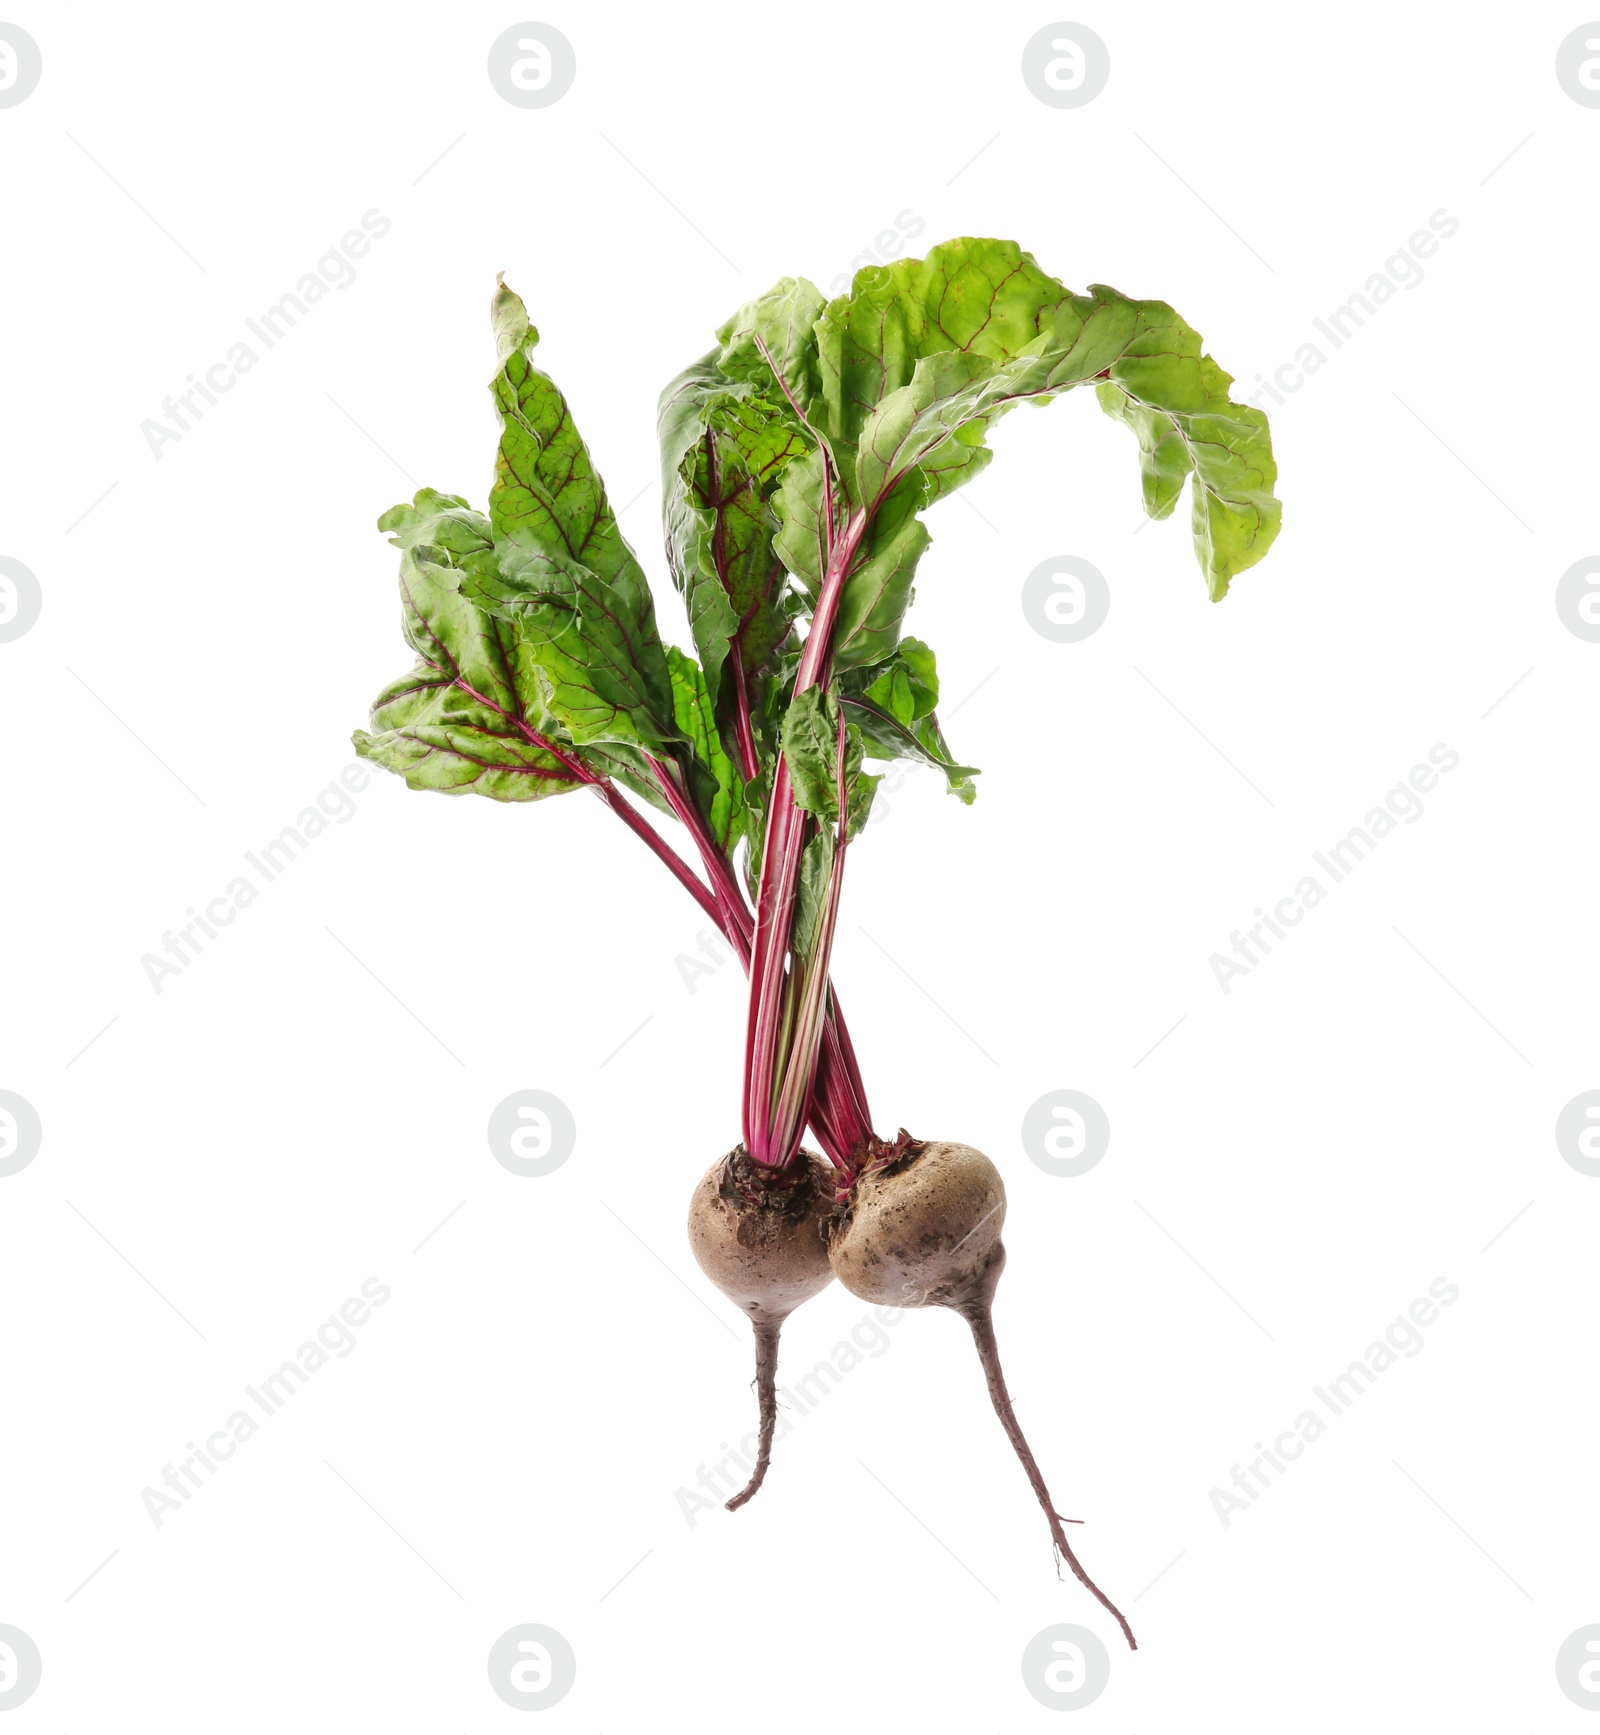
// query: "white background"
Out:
[1289,1168]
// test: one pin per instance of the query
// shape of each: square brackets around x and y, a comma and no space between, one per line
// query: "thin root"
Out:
[976,1312]
[767,1393]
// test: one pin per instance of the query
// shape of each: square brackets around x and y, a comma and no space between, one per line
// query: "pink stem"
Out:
[802,1057]
[780,875]
[749,764]
[642,828]
[845,1063]
[837,1105]
[612,797]
[841,1118]
[712,857]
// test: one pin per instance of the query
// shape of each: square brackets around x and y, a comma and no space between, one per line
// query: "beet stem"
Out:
[979,1316]
[767,1393]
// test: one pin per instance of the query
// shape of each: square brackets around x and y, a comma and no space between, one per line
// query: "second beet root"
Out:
[921,1228]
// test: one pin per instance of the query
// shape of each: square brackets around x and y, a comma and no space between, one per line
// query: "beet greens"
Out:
[799,458]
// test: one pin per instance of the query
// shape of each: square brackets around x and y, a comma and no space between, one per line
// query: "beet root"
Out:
[917,1230]
[922,1229]
[760,1235]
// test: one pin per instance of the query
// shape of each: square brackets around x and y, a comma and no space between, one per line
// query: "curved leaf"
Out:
[1175,399]
[470,716]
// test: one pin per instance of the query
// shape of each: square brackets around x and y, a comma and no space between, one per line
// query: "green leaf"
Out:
[892,690]
[811,894]
[877,591]
[816,870]
[914,681]
[469,716]
[757,799]
[546,487]
[984,298]
[894,704]
[594,642]
[801,505]
[884,736]
[459,751]
[947,394]
[688,524]
[862,790]
[773,341]
[565,573]
[446,519]
[537,618]
[715,784]
[724,450]
[923,356]
[811,751]
[937,422]
[1175,399]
